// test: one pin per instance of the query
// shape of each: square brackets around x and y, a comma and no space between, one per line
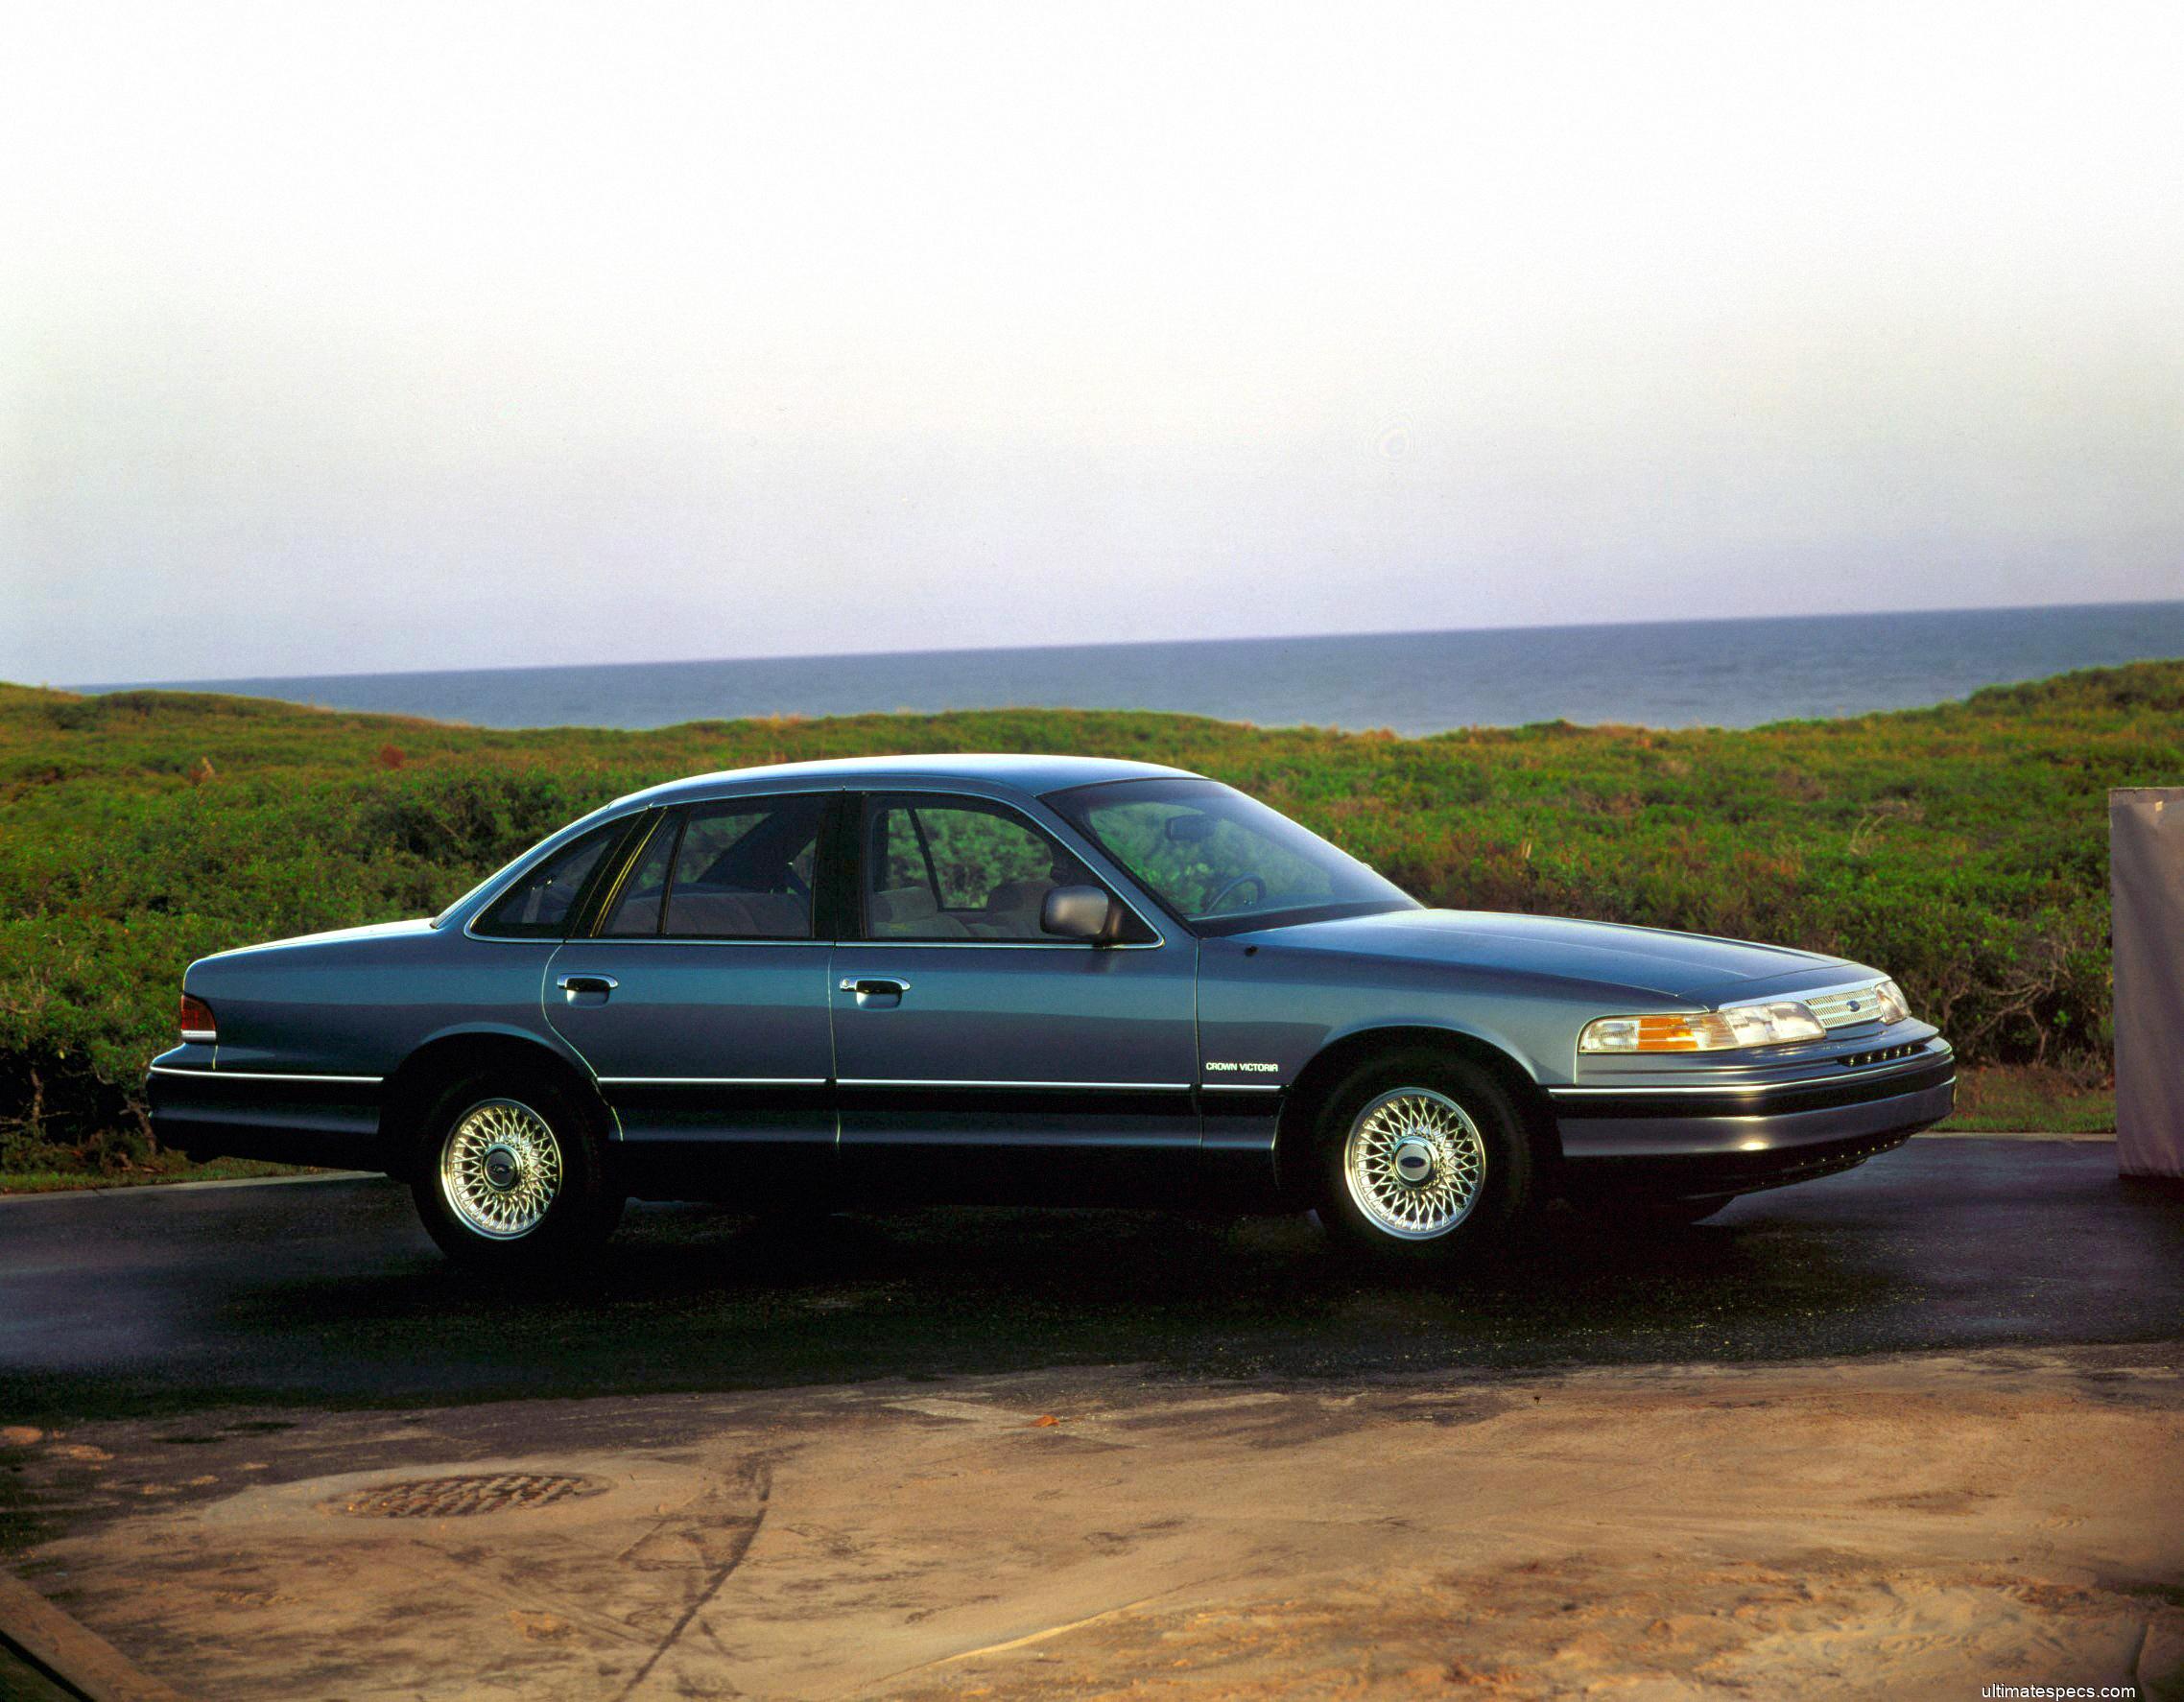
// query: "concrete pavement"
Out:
[1850,1435]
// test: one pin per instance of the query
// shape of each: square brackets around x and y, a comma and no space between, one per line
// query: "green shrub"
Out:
[1962,848]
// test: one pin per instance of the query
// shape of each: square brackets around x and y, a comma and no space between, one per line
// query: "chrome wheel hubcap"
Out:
[500,1168]
[1416,1163]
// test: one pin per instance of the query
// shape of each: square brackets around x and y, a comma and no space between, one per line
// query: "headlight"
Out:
[1895,1007]
[1778,1022]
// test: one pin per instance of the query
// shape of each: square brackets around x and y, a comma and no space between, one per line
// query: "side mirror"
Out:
[1078,912]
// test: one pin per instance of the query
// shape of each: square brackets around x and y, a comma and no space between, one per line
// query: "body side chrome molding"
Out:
[684,939]
[711,1081]
[259,1075]
[889,943]
[1143,1087]
[1162,1087]
[881,944]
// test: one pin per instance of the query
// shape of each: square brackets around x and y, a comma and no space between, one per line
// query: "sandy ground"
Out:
[1885,1528]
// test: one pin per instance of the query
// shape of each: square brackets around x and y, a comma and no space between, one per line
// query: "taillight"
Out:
[196,1019]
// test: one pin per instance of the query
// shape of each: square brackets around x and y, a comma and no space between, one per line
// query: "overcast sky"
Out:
[341,338]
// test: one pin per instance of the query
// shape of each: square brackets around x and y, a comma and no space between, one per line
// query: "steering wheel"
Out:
[1230,885]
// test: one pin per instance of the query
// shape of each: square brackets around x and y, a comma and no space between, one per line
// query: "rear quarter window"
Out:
[543,901]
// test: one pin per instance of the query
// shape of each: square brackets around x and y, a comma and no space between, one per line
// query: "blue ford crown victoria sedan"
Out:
[1029,979]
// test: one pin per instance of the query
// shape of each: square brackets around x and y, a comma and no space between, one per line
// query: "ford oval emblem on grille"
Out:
[1850,1005]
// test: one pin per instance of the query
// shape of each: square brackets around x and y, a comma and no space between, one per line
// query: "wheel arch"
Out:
[1347,1052]
[427,1071]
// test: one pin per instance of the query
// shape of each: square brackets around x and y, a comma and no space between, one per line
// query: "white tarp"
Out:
[2146,861]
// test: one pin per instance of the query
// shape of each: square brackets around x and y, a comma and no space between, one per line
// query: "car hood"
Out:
[1692,966]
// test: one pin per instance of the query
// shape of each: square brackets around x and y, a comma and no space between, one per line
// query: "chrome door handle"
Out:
[875,986]
[587,983]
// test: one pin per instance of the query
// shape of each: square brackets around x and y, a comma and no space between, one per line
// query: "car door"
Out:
[698,996]
[978,1057]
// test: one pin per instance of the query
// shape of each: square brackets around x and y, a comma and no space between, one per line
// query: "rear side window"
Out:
[742,869]
[544,898]
[636,907]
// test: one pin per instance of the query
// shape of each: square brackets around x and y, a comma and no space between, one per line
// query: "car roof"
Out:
[1029,774]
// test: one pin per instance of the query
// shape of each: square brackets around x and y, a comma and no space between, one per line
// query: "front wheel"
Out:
[1423,1161]
[512,1176]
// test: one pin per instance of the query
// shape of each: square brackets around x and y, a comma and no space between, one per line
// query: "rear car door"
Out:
[981,1058]
[699,999]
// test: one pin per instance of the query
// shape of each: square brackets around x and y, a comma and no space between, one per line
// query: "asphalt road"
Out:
[152,1301]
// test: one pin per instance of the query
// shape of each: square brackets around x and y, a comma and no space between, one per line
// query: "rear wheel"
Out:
[1423,1161]
[513,1175]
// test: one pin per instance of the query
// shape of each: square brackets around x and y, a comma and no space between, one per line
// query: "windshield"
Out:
[1222,862]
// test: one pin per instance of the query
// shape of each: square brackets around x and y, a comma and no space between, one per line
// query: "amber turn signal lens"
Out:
[196,1019]
[1781,1022]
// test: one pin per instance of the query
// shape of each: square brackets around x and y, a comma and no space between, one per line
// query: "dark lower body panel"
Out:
[1669,1149]
[308,1121]
[697,1141]
[990,1149]
[1726,1176]
[1673,1149]
[902,1145]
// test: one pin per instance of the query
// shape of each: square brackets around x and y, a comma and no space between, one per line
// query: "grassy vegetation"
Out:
[2051,1099]
[1964,847]
[161,1166]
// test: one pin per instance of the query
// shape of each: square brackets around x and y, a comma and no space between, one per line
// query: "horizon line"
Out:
[1113,644]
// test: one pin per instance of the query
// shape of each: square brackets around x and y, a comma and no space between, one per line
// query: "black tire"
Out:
[582,1208]
[1502,1193]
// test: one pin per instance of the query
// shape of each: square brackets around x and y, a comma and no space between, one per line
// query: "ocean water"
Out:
[1674,674]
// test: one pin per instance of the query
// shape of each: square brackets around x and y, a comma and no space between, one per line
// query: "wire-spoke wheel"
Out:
[500,1168]
[1416,1163]
[510,1172]
[1424,1159]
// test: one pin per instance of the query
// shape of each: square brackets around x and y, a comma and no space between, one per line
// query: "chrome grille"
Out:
[1844,1008]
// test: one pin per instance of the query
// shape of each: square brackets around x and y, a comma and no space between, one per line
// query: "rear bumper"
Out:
[330,1121]
[1701,1143]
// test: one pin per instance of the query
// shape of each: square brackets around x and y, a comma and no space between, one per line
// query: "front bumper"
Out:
[1702,1140]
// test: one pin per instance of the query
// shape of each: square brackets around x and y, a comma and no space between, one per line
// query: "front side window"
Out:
[1222,861]
[542,902]
[957,868]
[738,869]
